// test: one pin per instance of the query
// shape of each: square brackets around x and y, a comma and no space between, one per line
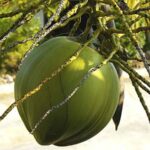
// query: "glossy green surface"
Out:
[86,113]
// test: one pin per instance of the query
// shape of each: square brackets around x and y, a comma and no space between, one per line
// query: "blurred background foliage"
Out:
[10,60]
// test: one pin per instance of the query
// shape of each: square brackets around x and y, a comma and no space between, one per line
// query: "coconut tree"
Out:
[116,30]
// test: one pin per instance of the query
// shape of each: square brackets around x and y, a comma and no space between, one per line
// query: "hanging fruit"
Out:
[86,113]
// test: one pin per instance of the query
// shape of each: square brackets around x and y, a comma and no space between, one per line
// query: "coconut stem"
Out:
[130,35]
[140,96]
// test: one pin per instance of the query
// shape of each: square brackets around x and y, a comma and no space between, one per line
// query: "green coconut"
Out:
[86,113]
